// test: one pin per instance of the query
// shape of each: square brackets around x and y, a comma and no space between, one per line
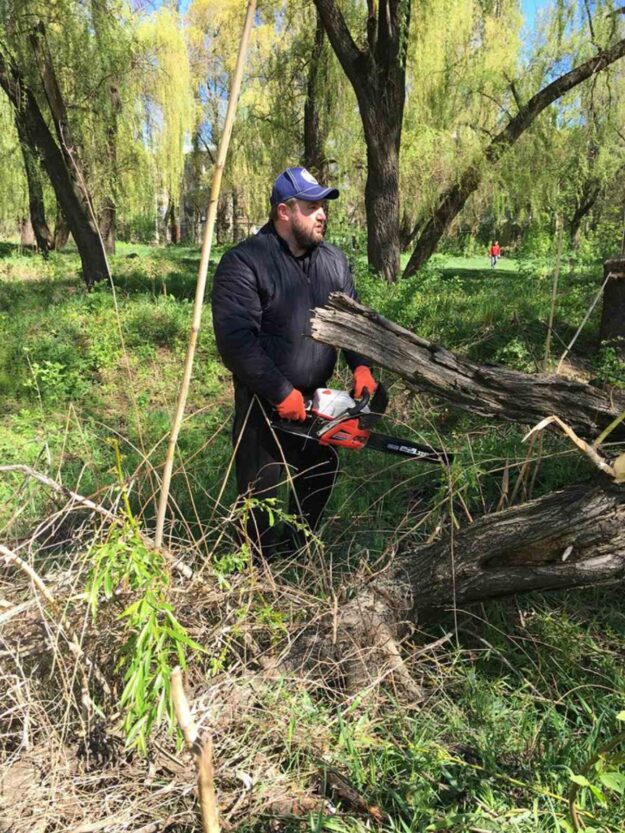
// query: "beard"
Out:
[305,237]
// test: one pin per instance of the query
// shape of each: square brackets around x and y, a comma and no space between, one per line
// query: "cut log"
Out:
[571,538]
[487,390]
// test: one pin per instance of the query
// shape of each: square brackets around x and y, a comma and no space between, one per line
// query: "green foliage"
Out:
[157,641]
[610,366]
[525,698]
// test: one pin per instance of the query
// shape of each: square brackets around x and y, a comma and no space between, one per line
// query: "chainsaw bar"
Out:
[407,448]
[376,442]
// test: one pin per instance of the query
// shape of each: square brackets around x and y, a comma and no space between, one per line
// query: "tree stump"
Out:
[612,328]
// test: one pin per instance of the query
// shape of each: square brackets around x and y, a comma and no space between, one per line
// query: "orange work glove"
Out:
[292,407]
[363,378]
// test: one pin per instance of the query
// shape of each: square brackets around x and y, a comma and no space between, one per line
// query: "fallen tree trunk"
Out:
[569,539]
[487,390]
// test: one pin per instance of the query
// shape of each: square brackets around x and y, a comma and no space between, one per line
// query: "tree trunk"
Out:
[237,232]
[488,390]
[571,538]
[454,198]
[101,13]
[68,193]
[61,231]
[382,198]
[612,329]
[174,226]
[585,203]
[106,224]
[377,72]
[36,203]
[27,234]
[314,159]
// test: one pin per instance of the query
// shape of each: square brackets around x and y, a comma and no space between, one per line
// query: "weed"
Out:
[610,366]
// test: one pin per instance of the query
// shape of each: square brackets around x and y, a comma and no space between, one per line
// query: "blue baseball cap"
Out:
[300,184]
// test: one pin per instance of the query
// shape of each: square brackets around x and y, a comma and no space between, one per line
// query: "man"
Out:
[495,254]
[264,292]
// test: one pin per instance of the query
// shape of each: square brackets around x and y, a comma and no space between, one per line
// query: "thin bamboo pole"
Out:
[202,272]
[202,752]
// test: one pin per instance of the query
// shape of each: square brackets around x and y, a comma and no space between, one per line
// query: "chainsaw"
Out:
[335,418]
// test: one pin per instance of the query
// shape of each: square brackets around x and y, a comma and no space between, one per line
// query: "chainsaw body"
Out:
[336,419]
[333,412]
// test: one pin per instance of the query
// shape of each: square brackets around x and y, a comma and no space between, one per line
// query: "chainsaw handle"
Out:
[361,404]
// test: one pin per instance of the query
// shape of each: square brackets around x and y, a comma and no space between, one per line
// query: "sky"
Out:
[530,8]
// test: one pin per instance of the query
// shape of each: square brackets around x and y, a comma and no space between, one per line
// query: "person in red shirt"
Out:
[495,254]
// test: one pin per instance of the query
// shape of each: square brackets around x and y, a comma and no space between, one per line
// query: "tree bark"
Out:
[174,225]
[612,328]
[585,203]
[67,190]
[108,213]
[36,203]
[487,390]
[377,72]
[314,159]
[61,231]
[454,198]
[571,538]
[107,224]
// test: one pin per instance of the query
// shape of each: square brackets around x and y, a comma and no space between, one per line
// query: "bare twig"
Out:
[592,454]
[62,490]
[105,513]
[10,557]
[586,317]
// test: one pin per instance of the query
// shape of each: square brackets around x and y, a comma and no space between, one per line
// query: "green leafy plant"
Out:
[599,777]
[157,640]
[611,366]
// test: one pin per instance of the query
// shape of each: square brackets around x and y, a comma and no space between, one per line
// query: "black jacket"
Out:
[262,303]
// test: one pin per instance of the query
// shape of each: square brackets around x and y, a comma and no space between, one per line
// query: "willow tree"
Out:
[461,55]
[570,43]
[13,185]
[168,109]
[30,77]
[374,61]
[268,133]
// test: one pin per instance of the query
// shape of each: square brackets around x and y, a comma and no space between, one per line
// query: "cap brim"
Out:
[316,192]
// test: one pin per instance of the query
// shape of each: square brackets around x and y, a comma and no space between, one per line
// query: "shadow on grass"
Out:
[15,249]
[180,285]
[470,273]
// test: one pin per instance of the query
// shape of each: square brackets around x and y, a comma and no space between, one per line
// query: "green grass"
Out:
[524,693]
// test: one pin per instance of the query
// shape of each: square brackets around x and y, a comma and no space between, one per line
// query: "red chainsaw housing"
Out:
[346,434]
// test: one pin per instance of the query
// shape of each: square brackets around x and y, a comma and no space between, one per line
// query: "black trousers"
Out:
[266,459]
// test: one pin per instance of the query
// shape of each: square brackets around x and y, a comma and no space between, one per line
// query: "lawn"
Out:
[519,698]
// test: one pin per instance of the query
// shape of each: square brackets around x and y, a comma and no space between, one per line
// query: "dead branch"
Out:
[487,390]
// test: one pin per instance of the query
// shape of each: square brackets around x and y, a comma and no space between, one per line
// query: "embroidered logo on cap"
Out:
[308,176]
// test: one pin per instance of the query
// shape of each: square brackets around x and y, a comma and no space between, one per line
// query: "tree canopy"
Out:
[468,145]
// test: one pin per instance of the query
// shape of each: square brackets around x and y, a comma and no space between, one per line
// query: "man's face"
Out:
[308,222]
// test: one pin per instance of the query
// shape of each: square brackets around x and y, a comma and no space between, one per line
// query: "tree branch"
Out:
[341,39]
[487,390]
[454,198]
